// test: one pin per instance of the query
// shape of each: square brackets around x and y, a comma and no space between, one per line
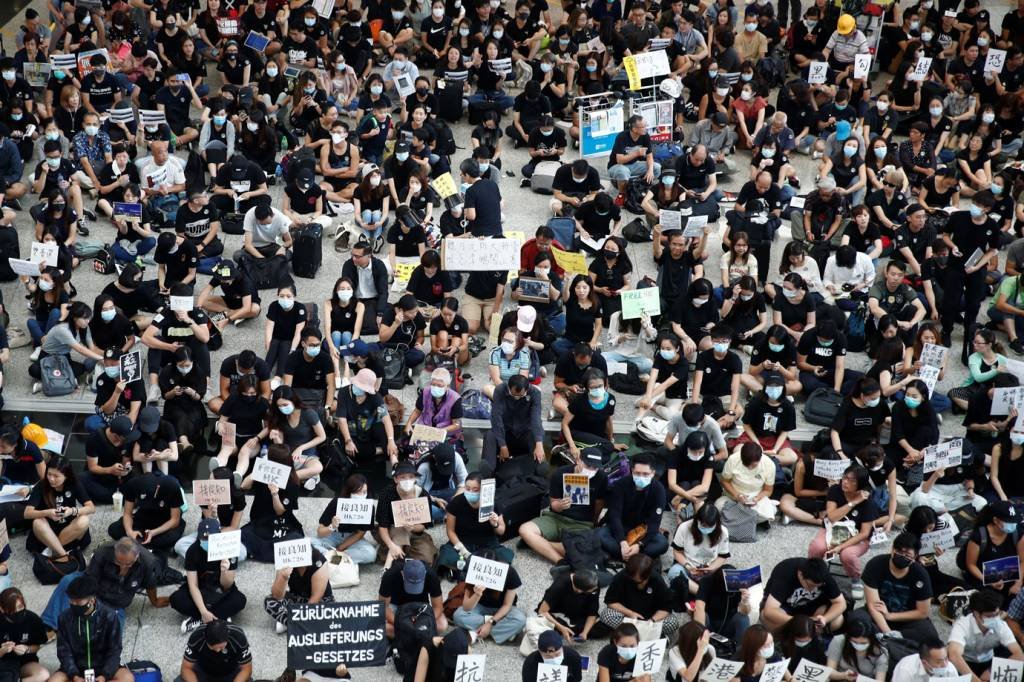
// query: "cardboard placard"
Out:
[271,473]
[421,433]
[181,303]
[403,271]
[152,117]
[131,366]
[577,488]
[1005,670]
[1005,398]
[649,656]
[470,667]
[125,116]
[44,251]
[293,554]
[943,538]
[225,545]
[943,455]
[721,670]
[637,302]
[411,512]
[227,26]
[324,635]
[207,491]
[741,578]
[488,486]
[830,469]
[774,672]
[930,376]
[572,263]
[476,255]
[490,574]
[355,512]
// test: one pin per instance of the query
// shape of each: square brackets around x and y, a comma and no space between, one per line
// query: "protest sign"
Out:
[547,672]
[324,8]
[429,435]
[355,512]
[817,73]
[861,65]
[181,303]
[490,574]
[5,537]
[774,672]
[1005,670]
[809,671]
[921,69]
[694,226]
[572,263]
[271,473]
[637,302]
[995,60]
[942,538]
[225,545]
[293,554]
[930,376]
[320,636]
[943,455]
[1005,398]
[444,185]
[722,670]
[669,220]
[487,488]
[648,657]
[411,512]
[737,579]
[24,267]
[44,251]
[206,491]
[933,355]
[577,488]
[470,667]
[830,469]
[256,41]
[131,366]
[1006,569]
[127,212]
[477,255]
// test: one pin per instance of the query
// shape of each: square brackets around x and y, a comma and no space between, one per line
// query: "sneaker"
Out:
[83,227]
[311,483]
[620,200]
[280,628]
[12,204]
[153,396]
[274,383]
[524,183]
[1017,346]
[36,352]
[190,624]
[857,590]
[238,321]
[214,464]
[36,387]
[786,520]
[89,214]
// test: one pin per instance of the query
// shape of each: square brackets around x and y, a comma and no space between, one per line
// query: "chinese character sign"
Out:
[648,657]
[470,668]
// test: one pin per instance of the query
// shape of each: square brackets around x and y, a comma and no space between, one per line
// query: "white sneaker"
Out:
[190,624]
[857,590]
[274,383]
[786,520]
[36,387]
[153,395]
[280,628]
[35,353]
[312,482]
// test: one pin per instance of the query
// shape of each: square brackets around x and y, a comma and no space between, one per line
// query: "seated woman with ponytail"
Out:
[70,334]
[246,410]
[183,387]
[272,514]
[59,509]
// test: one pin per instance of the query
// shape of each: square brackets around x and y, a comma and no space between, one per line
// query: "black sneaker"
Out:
[1017,346]
[12,204]
[561,568]
[525,182]
[91,215]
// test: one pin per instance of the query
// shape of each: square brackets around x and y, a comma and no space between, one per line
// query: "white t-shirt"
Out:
[265,235]
[704,553]
[171,173]
[909,669]
[978,646]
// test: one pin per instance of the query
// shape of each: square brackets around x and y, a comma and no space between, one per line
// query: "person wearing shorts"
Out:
[483,291]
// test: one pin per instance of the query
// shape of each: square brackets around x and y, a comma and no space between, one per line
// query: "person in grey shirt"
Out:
[715,134]
[690,419]
[264,225]
[516,428]
[71,334]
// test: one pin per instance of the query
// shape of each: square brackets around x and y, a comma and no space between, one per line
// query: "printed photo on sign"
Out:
[256,41]
[490,574]
[1002,570]
[126,212]
[211,491]
[577,488]
[737,579]
[293,553]
[271,473]
[322,636]
[470,667]
[487,488]
[411,512]
[355,512]
[131,366]
[225,545]
[534,289]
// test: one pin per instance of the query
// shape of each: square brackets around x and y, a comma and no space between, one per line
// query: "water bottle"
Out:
[278,173]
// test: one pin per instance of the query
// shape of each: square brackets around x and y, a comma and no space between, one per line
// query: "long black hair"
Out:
[707,515]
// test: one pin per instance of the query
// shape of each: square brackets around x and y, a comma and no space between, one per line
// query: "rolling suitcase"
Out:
[307,251]
[519,502]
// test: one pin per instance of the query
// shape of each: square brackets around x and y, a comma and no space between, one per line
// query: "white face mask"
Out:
[437,12]
[746,95]
[272,71]
[498,34]
[722,92]
[542,272]
[253,127]
[882,107]
[507,347]
[374,180]
[338,138]
[344,295]
[406,485]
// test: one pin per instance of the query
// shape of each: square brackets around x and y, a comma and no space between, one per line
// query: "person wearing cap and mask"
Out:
[210,591]
[567,513]
[574,184]
[239,299]
[157,441]
[152,512]
[173,329]
[403,323]
[108,458]
[442,473]
[177,259]
[410,581]
[304,199]
[363,420]
[89,637]
[357,356]
[114,396]
[845,43]
[552,651]
[239,186]
[409,541]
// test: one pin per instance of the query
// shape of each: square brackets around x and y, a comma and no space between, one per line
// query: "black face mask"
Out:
[79,610]
[901,562]
[422,92]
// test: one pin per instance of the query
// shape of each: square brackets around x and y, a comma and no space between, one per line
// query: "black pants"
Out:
[914,630]
[226,204]
[518,443]
[973,287]
[221,604]
[369,316]
[162,542]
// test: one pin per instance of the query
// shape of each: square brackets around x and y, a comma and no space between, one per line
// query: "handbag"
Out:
[652,429]
[649,630]
[636,534]
[535,627]
[740,520]
[455,599]
[343,571]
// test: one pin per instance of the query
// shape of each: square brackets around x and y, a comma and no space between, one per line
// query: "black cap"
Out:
[1004,511]
[122,426]
[444,459]
[456,643]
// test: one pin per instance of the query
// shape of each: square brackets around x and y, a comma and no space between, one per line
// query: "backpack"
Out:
[50,572]
[292,163]
[564,229]
[583,551]
[856,336]
[652,429]
[740,520]
[772,70]
[954,604]
[445,138]
[666,153]
[628,383]
[414,624]
[56,376]
[104,264]
[961,554]
[393,360]
[636,190]
[822,405]
[265,273]
[475,405]
[637,230]
[455,599]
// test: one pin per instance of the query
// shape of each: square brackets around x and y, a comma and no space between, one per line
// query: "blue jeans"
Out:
[482,96]
[368,217]
[142,247]
[341,339]
[505,629]
[643,364]
[557,322]
[623,172]
[655,547]
[37,331]
[59,603]
[361,551]
[562,346]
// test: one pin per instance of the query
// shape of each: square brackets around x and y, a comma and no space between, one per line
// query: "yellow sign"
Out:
[632,72]
[570,262]
[444,185]
[403,271]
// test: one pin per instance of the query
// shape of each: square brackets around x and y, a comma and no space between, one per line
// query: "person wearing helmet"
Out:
[846,43]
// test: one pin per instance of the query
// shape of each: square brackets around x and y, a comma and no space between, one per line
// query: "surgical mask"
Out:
[438,391]
[59,74]
[926,36]
[53,163]
[45,285]
[591,68]
[555,660]
[750,27]
[507,347]
[309,21]
[901,562]
[358,392]
[880,152]
[1017,438]
[667,354]
[309,89]
[563,42]
[542,272]
[16,117]
[668,180]
[976,211]
[112,371]
[472,498]
[705,530]
[184,369]
[773,392]
[151,129]
[767,651]
[463,32]
[695,458]
[713,73]
[626,653]
[53,136]
[988,117]
[272,71]
[344,295]
[286,303]
[253,127]
[850,150]
[912,403]
[108,315]
[746,77]
[1009,526]
[801,644]
[700,301]
[882,107]
[484,166]
[914,25]
[992,623]
[825,342]
[840,107]
[996,189]
[721,92]
[721,347]
[935,111]
[205,544]
[286,409]
[789,293]
[767,152]
[414,187]
[313,351]
[376,89]
[597,395]
[546,133]
[873,402]
[92,130]
[746,297]
[340,65]
[87,19]
[982,42]
[746,95]
[497,34]
[545,67]
[219,120]
[810,24]
[397,16]
[407,485]
[437,12]
[776,347]
[860,646]
[374,180]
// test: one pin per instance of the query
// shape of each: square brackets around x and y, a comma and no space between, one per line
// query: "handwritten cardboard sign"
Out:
[490,574]
[225,545]
[271,473]
[208,491]
[293,554]
[411,512]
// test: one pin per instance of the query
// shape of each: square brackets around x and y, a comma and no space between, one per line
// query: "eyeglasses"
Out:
[889,184]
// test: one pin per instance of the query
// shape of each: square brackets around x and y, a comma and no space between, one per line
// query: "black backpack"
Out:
[392,358]
[445,138]
[296,161]
[636,190]
[583,551]
[414,625]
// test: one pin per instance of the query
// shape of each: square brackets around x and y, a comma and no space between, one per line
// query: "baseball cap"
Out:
[592,457]
[444,459]
[403,467]
[207,527]
[842,130]
[357,347]
[149,419]
[414,576]
[122,426]
[456,643]
[1003,511]
[226,269]
[525,318]
[112,354]
[365,380]
[305,176]
[402,146]
[719,119]
[549,640]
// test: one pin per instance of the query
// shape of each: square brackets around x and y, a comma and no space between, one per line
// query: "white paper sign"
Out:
[44,251]
[648,657]
[355,512]
[549,673]
[861,65]
[817,73]
[470,667]
[1005,398]
[225,545]
[1006,670]
[265,471]
[933,355]
[293,554]
[943,538]
[830,469]
[490,574]
[943,455]
[921,69]
[721,670]
[670,220]
[930,376]
[995,60]
[695,225]
[797,202]
[774,672]
[324,7]
[24,267]
[809,670]
[878,537]
[182,303]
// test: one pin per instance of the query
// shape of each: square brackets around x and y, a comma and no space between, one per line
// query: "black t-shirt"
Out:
[693,177]
[561,598]
[898,594]
[101,95]
[309,372]
[153,500]
[160,439]
[407,330]
[565,183]
[968,236]
[784,585]
[173,330]
[862,242]
[918,242]
[218,664]
[646,601]
[406,242]
[859,425]
[133,392]
[285,321]
[26,628]
[865,512]
[20,465]
[458,327]
[72,496]
[246,413]
[820,355]
[579,512]
[596,223]
[567,369]
[680,370]
[393,586]
[580,322]
[687,470]
[197,560]
[717,373]
[624,142]
[107,454]
[241,178]
[327,516]
[360,416]
[483,285]
[485,197]
[229,369]
[301,202]
[467,524]
[608,658]
[429,288]
[768,420]
[196,223]
[749,193]
[590,418]
[184,258]
[762,353]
